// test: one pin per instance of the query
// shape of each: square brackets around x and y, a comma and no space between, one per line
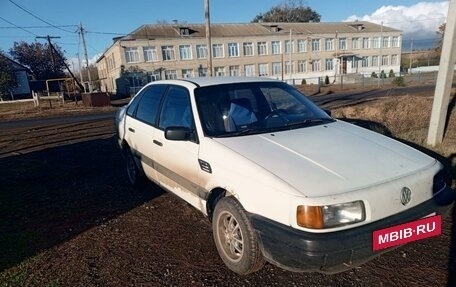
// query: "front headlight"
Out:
[329,216]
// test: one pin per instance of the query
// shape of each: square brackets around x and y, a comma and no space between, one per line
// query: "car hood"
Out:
[329,159]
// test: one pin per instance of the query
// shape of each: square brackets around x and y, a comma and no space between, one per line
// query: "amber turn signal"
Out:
[310,216]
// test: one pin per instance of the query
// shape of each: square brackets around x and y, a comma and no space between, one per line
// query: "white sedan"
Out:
[279,178]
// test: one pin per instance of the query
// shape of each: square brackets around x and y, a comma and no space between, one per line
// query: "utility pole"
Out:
[380,60]
[81,31]
[444,79]
[411,57]
[48,38]
[208,37]
[80,70]
[291,65]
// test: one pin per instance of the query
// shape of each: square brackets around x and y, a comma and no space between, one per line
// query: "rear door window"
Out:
[149,104]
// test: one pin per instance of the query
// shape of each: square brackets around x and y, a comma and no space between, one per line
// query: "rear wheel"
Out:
[135,174]
[235,238]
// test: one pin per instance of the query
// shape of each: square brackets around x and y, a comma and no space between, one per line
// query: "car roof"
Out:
[211,81]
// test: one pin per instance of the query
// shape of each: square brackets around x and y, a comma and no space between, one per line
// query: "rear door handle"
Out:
[157,143]
[131,129]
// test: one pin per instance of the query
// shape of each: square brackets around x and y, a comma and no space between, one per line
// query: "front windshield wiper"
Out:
[309,122]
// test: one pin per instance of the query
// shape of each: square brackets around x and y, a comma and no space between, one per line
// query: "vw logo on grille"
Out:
[406,195]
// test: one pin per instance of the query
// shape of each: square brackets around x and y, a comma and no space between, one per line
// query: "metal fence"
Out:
[359,81]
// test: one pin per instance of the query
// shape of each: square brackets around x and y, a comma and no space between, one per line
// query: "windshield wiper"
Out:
[309,122]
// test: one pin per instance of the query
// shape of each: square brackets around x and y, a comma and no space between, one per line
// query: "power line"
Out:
[39,18]
[18,27]
[107,33]
[37,27]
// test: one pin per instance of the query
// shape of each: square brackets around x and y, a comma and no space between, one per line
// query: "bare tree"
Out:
[441,33]
[291,11]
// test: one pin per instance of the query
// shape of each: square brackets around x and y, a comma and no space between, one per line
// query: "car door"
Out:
[140,127]
[177,161]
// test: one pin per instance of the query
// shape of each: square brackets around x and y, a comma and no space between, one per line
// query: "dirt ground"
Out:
[69,218]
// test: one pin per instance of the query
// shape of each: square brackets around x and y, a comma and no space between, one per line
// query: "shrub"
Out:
[374,75]
[399,81]
[382,74]
[391,74]
[326,80]
[303,82]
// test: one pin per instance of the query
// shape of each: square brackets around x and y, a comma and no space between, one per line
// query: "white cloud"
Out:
[74,61]
[419,21]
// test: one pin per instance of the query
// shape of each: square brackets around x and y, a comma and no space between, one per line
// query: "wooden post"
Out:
[444,79]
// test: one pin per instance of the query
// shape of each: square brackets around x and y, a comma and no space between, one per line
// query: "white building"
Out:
[288,51]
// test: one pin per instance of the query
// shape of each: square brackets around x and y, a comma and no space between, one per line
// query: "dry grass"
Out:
[21,110]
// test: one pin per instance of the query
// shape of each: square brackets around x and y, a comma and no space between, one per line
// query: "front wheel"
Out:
[235,238]
[135,174]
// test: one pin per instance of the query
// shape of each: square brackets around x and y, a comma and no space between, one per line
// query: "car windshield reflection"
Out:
[256,107]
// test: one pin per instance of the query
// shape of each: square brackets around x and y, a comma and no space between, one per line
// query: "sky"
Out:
[23,20]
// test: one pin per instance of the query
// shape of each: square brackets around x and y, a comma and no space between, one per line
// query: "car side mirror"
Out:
[178,133]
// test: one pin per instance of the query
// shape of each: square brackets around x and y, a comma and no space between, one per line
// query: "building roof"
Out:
[153,31]
[167,31]
[16,65]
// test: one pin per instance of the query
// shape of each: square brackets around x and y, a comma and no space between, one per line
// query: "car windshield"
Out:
[255,107]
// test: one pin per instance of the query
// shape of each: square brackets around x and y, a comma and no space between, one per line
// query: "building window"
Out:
[385,60]
[153,76]
[168,53]
[262,48]
[342,44]
[315,65]
[201,51]
[264,69]
[365,62]
[395,42]
[355,43]
[219,71]
[185,52]
[302,46]
[302,66]
[111,62]
[374,61]
[187,73]
[217,51]
[150,54]
[202,72]
[276,47]
[131,55]
[315,44]
[248,49]
[249,70]
[385,42]
[376,42]
[233,50]
[276,68]
[234,71]
[329,65]
[288,67]
[394,60]
[329,44]
[354,62]
[366,43]
[184,31]
[170,74]
[289,47]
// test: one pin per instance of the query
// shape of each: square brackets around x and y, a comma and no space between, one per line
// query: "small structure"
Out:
[23,76]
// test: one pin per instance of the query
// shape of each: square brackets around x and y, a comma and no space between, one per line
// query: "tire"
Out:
[135,174]
[235,238]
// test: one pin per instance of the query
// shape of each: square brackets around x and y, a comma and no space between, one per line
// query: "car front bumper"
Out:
[334,252]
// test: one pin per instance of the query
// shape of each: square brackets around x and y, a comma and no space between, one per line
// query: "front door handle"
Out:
[157,143]
[131,129]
